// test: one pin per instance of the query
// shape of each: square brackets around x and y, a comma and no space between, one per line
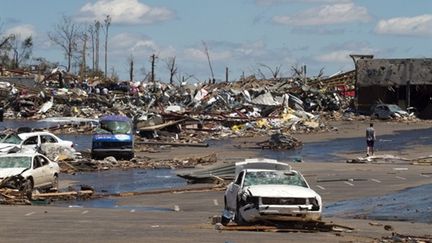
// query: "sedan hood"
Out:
[281,191]
[6,172]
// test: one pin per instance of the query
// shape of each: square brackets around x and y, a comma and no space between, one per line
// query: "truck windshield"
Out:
[114,127]
[253,178]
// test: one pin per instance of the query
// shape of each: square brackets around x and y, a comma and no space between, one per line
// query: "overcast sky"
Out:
[240,34]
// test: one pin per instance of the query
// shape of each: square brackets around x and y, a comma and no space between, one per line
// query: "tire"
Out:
[129,156]
[238,218]
[225,220]
[55,184]
[28,188]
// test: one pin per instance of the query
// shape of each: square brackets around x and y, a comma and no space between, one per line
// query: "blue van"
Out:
[113,137]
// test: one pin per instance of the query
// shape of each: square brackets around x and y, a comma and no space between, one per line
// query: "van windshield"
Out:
[114,127]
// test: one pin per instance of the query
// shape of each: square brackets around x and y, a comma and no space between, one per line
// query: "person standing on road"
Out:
[370,140]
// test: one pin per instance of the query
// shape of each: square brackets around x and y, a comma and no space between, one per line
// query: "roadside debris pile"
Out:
[83,164]
[295,226]
[281,142]
[13,191]
[391,159]
[396,237]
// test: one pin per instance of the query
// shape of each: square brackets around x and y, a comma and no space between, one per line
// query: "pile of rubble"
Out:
[190,113]
[84,164]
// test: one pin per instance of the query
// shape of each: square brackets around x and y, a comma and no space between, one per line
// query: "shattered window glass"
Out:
[15,162]
[273,178]
[115,127]
[12,138]
[48,139]
[394,108]
[31,141]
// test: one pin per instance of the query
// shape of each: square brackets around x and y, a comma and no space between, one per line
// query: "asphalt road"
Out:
[186,217]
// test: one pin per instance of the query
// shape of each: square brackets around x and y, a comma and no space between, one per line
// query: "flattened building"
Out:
[406,82]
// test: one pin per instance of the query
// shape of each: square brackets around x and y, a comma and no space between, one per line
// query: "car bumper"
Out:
[117,153]
[280,213]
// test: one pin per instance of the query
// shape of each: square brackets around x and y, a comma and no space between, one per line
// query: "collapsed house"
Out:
[405,82]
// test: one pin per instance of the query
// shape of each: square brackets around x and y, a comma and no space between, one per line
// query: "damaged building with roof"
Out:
[405,82]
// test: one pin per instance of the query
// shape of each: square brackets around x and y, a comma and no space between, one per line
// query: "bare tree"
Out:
[92,33]
[145,73]
[274,72]
[97,32]
[107,22]
[4,40]
[22,50]
[172,67]
[5,47]
[185,77]
[208,59]
[84,38]
[66,35]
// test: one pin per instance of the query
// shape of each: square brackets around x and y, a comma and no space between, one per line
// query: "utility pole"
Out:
[153,59]
[226,74]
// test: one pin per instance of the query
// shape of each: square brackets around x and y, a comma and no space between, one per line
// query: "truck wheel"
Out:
[238,218]
[224,220]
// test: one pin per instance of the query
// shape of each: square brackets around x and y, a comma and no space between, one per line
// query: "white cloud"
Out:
[336,56]
[342,56]
[199,54]
[251,49]
[126,44]
[414,26]
[22,31]
[124,12]
[325,15]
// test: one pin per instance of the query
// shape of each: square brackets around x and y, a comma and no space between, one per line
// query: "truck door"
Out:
[232,192]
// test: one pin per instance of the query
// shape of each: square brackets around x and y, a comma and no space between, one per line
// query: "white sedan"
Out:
[269,190]
[37,170]
[32,140]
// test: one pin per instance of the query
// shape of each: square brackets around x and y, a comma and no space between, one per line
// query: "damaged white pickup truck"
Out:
[267,190]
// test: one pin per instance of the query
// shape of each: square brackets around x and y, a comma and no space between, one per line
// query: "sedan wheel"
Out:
[55,184]
[28,188]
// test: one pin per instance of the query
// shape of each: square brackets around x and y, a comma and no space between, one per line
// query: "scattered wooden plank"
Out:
[60,194]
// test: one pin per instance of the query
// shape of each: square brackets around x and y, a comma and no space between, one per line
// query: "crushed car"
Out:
[31,141]
[268,190]
[388,111]
[28,171]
